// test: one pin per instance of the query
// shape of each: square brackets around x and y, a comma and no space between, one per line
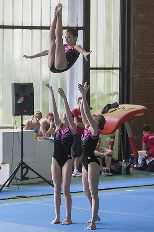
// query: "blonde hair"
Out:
[37,113]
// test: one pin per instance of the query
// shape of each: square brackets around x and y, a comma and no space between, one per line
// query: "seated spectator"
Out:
[148,140]
[47,127]
[145,157]
[33,124]
[104,155]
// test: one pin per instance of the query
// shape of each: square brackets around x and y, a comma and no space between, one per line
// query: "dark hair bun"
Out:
[73,31]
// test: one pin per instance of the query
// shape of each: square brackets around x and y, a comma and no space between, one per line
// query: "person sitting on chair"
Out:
[104,155]
[147,143]
[148,140]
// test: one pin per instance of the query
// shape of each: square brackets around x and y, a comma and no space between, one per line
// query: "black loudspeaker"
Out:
[22,99]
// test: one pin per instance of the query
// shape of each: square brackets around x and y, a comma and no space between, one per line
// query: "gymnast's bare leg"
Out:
[57,52]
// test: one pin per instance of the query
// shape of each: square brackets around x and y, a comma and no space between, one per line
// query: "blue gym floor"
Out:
[121,209]
[127,210]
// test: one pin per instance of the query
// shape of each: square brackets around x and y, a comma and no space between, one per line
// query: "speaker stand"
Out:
[22,165]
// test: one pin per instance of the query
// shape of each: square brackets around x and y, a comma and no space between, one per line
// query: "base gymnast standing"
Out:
[62,161]
[91,166]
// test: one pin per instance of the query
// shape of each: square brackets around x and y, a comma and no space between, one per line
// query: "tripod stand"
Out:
[22,165]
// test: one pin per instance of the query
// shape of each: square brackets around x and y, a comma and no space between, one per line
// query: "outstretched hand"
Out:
[49,87]
[27,57]
[61,92]
[83,88]
[87,54]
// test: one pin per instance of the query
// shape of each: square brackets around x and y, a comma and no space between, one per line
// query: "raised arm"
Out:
[68,112]
[82,51]
[43,53]
[55,111]
[83,90]
[84,118]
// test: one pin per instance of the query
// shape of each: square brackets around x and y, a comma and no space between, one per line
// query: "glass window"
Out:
[28,33]
[104,60]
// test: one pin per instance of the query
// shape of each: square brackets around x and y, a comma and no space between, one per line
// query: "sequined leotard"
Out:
[89,144]
[71,55]
[62,145]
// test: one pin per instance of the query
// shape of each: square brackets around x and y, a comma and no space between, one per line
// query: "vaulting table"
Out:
[115,117]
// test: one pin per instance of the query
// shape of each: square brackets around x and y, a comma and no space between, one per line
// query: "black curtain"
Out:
[126,71]
[86,44]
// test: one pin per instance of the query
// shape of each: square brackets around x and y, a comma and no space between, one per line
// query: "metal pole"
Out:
[21,147]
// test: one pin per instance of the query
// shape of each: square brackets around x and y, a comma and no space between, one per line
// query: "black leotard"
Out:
[71,55]
[89,144]
[63,141]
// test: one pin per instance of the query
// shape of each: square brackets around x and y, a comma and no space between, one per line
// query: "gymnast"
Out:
[91,166]
[61,57]
[62,161]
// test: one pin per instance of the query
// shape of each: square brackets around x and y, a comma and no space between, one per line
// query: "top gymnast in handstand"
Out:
[61,56]
[91,166]
[62,161]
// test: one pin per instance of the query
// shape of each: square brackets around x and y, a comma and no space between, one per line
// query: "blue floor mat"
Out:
[25,192]
[126,183]
[122,211]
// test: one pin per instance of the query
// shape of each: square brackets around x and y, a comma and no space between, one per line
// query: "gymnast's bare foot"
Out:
[66,222]
[55,221]
[97,219]
[58,9]
[91,227]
